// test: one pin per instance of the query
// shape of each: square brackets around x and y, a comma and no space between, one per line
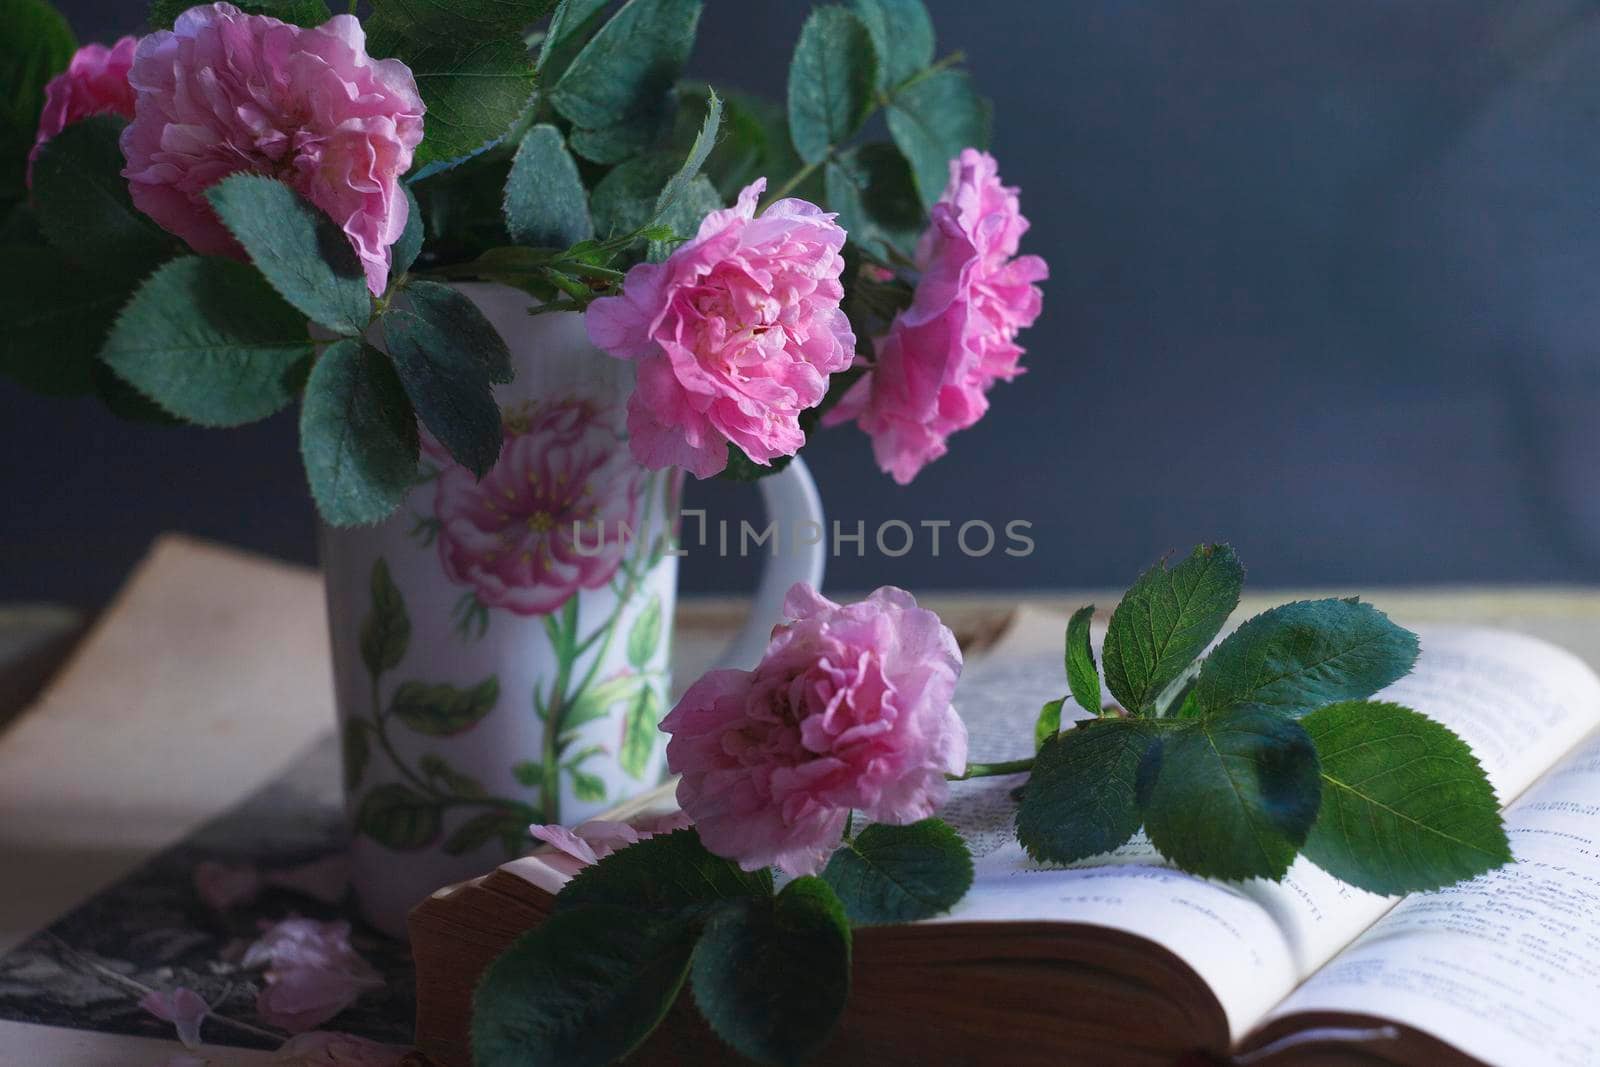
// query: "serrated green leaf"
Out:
[1081,799]
[442,710]
[664,875]
[902,36]
[900,874]
[56,318]
[1230,796]
[677,186]
[358,435]
[772,976]
[640,732]
[832,77]
[644,636]
[622,140]
[163,13]
[583,989]
[297,248]
[1406,807]
[872,190]
[37,45]
[211,342]
[932,120]
[753,143]
[1048,724]
[405,251]
[356,750]
[83,204]
[1083,677]
[629,65]
[478,831]
[398,817]
[1166,620]
[126,402]
[1300,656]
[386,631]
[446,355]
[467,19]
[572,24]
[545,202]
[475,88]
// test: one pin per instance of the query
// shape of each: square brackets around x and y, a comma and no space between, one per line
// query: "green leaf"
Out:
[665,874]
[528,773]
[1166,620]
[629,66]
[56,318]
[386,631]
[447,353]
[163,13]
[1406,806]
[583,989]
[899,874]
[831,81]
[1048,724]
[1231,796]
[475,88]
[772,976]
[588,788]
[1083,678]
[753,141]
[126,402]
[358,435]
[398,817]
[437,769]
[872,190]
[596,701]
[1300,656]
[405,251]
[1081,799]
[422,19]
[83,203]
[570,27]
[545,203]
[357,752]
[644,636]
[36,45]
[478,831]
[442,710]
[297,247]
[211,342]
[677,187]
[932,120]
[617,142]
[639,733]
[902,36]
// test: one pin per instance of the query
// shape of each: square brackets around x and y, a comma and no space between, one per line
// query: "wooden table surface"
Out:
[53,769]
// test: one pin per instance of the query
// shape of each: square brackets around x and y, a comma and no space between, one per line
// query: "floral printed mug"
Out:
[500,647]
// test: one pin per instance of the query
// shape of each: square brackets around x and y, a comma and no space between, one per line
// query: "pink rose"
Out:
[313,973]
[183,1008]
[322,1049]
[734,335]
[555,515]
[94,83]
[225,92]
[849,709]
[590,842]
[941,356]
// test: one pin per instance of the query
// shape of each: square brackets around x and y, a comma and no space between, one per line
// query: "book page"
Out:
[1505,967]
[1518,702]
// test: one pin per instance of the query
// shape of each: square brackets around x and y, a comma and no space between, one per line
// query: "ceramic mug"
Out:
[501,647]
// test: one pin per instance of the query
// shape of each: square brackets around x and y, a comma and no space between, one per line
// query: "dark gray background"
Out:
[1325,282]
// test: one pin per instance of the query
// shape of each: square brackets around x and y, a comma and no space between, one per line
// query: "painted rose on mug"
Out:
[556,514]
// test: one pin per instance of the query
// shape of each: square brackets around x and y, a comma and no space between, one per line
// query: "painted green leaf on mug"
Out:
[510,828]
[440,709]
[640,732]
[386,631]
[644,636]
[438,770]
[398,817]
[589,788]
[357,752]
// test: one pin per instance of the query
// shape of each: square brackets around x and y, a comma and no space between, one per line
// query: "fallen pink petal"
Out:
[182,1007]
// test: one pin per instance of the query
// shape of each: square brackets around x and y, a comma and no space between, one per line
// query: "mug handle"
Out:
[792,503]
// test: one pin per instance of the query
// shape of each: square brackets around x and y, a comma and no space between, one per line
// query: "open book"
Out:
[1122,959]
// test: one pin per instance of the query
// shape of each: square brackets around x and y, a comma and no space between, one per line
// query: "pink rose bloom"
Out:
[555,515]
[734,335]
[941,356]
[94,83]
[225,92]
[322,1049]
[849,709]
[588,843]
[183,1008]
[313,973]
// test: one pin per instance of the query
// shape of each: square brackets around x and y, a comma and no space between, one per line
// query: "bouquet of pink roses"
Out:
[265,201]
